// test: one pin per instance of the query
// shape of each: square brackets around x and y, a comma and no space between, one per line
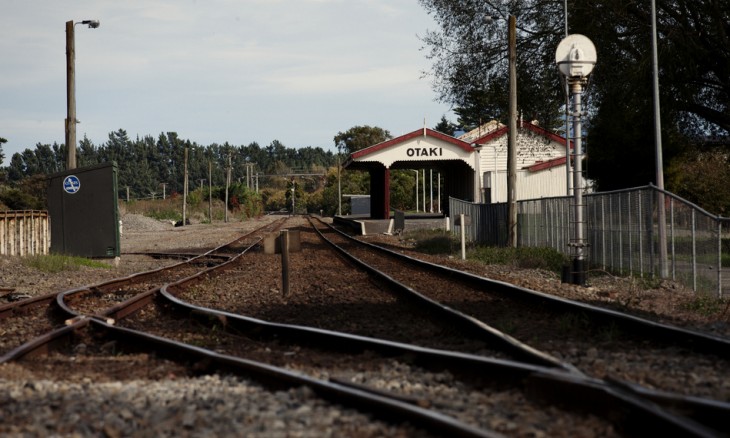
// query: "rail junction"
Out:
[430,350]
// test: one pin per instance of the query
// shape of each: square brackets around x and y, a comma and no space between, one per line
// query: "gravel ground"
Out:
[165,405]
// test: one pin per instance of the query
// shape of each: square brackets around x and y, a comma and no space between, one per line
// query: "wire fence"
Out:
[623,233]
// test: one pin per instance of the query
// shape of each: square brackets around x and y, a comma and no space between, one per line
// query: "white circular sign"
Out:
[576,56]
[71,184]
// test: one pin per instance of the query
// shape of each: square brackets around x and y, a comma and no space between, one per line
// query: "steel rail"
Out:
[384,407]
[9,309]
[692,339]
[493,336]
[63,297]
[641,414]
[713,413]
[44,343]
[709,412]
[76,321]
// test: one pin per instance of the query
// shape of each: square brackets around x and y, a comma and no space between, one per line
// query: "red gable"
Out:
[526,125]
[425,132]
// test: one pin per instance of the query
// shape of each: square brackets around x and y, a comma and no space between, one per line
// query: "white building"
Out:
[540,163]
[472,167]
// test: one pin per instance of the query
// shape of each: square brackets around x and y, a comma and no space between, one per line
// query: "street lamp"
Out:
[576,57]
[71,91]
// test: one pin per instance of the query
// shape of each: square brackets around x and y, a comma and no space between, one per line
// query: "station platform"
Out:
[364,225]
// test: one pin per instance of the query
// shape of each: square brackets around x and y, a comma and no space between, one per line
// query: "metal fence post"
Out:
[719,258]
[603,231]
[671,233]
[694,254]
[640,219]
[630,233]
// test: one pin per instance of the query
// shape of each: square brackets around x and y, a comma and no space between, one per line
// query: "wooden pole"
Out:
[185,189]
[228,183]
[210,191]
[512,139]
[70,96]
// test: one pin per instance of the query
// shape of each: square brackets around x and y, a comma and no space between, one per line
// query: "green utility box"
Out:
[82,204]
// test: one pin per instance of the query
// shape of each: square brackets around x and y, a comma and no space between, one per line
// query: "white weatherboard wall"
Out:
[532,148]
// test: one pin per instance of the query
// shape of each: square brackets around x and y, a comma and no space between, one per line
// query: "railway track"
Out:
[57,314]
[575,332]
[383,376]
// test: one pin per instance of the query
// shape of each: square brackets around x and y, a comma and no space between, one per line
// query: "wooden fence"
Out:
[24,232]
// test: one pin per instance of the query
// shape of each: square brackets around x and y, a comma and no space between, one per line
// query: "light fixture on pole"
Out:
[576,57]
[71,121]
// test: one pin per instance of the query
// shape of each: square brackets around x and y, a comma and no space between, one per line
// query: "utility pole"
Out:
[71,121]
[423,189]
[438,178]
[430,188]
[210,191]
[512,139]
[185,189]
[70,96]
[568,167]
[228,183]
[163,190]
[416,190]
[662,213]
[339,186]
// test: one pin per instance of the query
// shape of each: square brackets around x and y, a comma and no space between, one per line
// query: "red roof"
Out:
[527,125]
[419,132]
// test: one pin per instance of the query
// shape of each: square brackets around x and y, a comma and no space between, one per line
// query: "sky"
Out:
[216,71]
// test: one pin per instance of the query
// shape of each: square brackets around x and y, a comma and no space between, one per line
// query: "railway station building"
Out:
[471,167]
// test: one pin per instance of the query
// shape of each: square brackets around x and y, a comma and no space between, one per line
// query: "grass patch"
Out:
[159,209]
[53,263]
[433,241]
[705,305]
[523,257]
[443,242]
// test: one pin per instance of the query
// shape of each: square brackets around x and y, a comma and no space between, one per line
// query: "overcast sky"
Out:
[297,71]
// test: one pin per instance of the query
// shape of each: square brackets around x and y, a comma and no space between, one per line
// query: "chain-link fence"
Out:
[623,233]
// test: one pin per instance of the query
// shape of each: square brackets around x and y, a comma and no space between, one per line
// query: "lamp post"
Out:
[416,189]
[71,91]
[576,57]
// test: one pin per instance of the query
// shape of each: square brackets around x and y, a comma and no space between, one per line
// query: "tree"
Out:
[2,155]
[470,66]
[360,137]
[701,177]
[469,71]
[445,126]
